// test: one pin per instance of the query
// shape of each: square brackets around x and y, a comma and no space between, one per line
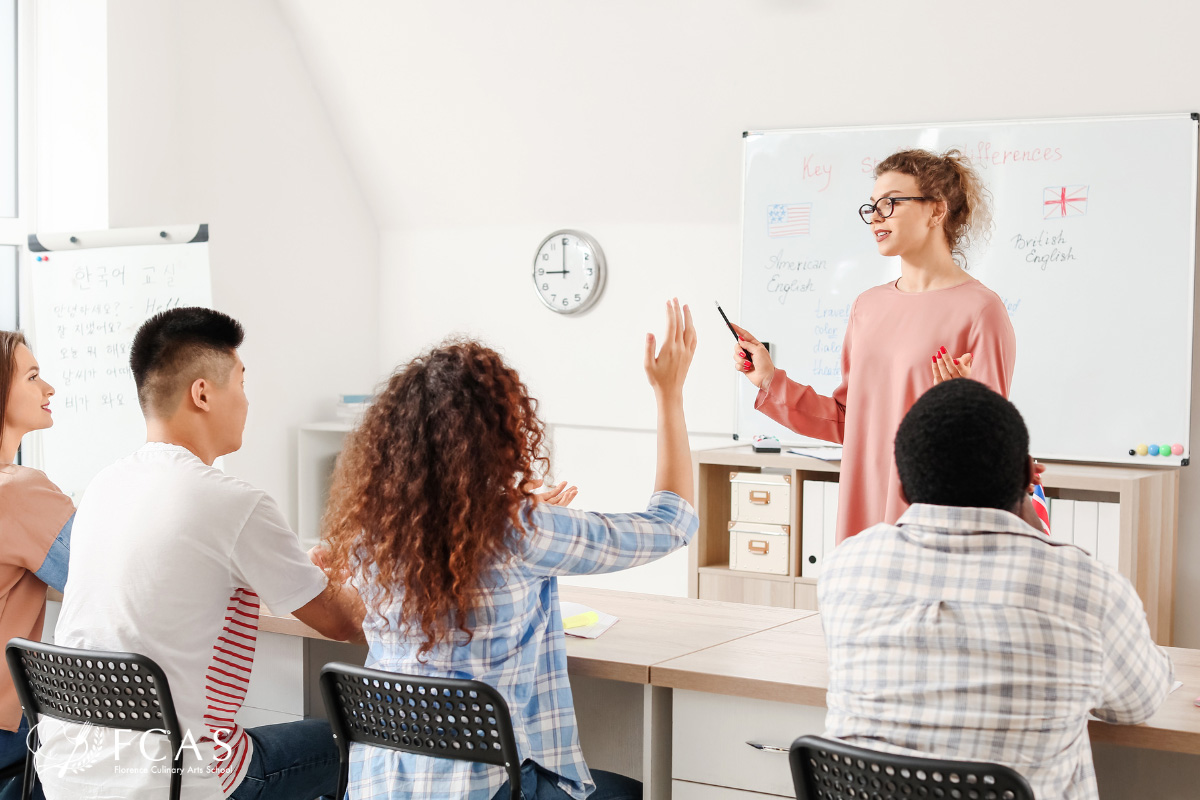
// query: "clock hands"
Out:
[557,272]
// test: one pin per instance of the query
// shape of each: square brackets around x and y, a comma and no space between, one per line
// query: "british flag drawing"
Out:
[1041,507]
[1064,201]
[788,219]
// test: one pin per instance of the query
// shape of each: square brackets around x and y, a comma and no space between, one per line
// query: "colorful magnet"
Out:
[1176,449]
[1164,449]
[1142,449]
[1152,450]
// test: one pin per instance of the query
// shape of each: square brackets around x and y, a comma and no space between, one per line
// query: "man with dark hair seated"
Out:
[173,558]
[961,631]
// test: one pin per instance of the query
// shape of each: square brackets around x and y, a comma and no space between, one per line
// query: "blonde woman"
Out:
[35,522]
[934,323]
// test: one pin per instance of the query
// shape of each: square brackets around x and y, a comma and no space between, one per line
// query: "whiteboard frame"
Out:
[1194,117]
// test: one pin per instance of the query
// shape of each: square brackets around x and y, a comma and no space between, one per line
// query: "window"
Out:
[11,231]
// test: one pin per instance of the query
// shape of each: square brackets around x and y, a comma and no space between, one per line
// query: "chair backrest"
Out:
[440,717]
[826,769]
[111,690]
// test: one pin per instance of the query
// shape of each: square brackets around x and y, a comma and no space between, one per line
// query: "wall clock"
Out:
[569,271]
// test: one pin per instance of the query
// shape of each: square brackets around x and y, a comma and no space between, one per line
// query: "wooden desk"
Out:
[611,675]
[652,629]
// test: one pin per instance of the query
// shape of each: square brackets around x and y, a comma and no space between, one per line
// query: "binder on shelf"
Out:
[812,529]
[1086,518]
[1062,520]
[831,512]
[1108,534]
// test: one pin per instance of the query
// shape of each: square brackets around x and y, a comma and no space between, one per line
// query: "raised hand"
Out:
[758,368]
[946,367]
[668,370]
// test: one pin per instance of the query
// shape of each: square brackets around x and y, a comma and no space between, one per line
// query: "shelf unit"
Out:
[1149,507]
[317,448]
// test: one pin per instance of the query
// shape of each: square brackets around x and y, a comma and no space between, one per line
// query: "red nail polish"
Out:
[739,338]
[935,359]
[943,351]
[956,362]
[748,365]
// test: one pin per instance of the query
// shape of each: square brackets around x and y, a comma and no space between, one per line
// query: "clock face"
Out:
[568,271]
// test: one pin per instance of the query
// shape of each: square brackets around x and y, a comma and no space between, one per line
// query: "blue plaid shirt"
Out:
[963,633]
[518,648]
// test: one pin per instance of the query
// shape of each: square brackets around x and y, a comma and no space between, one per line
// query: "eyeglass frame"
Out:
[874,207]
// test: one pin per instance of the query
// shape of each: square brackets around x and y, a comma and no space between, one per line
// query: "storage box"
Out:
[754,547]
[758,497]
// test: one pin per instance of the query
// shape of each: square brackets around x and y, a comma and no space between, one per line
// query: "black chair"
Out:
[826,769]
[111,690]
[440,717]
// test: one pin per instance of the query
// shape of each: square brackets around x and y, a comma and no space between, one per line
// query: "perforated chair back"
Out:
[111,690]
[439,717]
[826,769]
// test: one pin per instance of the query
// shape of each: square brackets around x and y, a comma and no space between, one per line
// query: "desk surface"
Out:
[652,629]
[774,654]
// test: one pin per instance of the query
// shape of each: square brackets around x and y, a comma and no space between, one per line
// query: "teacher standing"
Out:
[934,323]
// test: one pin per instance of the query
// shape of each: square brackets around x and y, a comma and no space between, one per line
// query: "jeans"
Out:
[537,784]
[291,761]
[12,750]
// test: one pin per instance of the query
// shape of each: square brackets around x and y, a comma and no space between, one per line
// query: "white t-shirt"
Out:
[170,558]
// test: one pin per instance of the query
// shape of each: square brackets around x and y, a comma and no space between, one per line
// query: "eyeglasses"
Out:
[885,206]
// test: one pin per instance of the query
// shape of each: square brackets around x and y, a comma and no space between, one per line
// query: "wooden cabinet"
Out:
[1148,499]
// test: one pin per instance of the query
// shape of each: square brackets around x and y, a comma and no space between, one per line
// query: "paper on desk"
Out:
[830,452]
[569,609]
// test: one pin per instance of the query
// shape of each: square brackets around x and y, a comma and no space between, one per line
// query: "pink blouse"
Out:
[890,338]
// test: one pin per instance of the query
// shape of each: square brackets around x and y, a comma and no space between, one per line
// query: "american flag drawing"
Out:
[1064,201]
[1041,507]
[788,219]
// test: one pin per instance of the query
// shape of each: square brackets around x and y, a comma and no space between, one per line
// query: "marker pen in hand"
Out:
[729,324]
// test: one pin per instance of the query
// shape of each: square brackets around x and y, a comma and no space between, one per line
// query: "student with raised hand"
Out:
[173,559]
[961,632]
[431,515]
[35,518]
[925,209]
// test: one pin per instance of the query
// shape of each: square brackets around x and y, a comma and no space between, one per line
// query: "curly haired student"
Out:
[432,517]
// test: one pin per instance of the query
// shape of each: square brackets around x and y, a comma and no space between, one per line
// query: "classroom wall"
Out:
[213,117]
[476,130]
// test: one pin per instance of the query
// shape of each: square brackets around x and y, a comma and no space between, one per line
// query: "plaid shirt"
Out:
[963,633]
[518,648]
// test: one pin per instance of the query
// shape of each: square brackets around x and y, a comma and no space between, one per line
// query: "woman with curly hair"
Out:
[925,209]
[432,517]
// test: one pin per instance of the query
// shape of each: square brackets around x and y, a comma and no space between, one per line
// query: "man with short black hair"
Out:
[172,559]
[961,631]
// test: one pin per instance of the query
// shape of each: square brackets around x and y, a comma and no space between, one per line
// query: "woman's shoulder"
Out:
[15,478]
[26,489]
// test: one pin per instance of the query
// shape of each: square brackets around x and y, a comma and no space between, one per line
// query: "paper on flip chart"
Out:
[606,621]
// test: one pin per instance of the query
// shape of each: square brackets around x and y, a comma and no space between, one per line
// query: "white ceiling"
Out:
[468,114]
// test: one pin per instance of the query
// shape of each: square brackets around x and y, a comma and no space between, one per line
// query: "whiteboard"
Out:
[1093,253]
[87,306]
